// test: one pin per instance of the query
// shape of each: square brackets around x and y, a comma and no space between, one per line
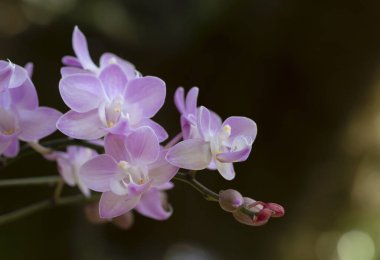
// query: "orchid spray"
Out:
[112,150]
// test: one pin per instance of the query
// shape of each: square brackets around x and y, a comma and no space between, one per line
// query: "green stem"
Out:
[49,180]
[17,214]
[56,144]
[190,179]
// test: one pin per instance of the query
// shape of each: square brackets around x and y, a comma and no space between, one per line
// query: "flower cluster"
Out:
[112,106]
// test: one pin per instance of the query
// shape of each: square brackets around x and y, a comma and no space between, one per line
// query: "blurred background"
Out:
[306,71]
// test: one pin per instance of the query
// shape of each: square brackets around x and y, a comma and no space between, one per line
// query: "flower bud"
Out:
[261,211]
[278,210]
[91,211]
[230,200]
[124,221]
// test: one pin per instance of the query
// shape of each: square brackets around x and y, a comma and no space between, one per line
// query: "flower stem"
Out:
[49,180]
[190,179]
[17,214]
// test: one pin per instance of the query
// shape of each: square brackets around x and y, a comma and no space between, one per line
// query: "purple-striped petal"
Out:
[114,146]
[12,149]
[142,145]
[113,79]
[25,97]
[152,206]
[192,154]
[161,171]
[226,170]
[86,126]
[98,172]
[67,71]
[191,101]
[179,100]
[127,67]
[71,61]
[81,92]
[148,93]
[38,123]
[206,123]
[81,50]
[111,205]
[160,132]
[241,126]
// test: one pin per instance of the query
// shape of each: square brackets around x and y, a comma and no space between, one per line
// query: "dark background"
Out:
[305,71]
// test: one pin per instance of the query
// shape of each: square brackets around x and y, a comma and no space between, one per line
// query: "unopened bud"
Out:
[261,211]
[91,211]
[124,221]
[278,210]
[230,200]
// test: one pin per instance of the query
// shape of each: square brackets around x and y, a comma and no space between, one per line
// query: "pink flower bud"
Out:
[91,211]
[262,212]
[278,210]
[124,221]
[230,200]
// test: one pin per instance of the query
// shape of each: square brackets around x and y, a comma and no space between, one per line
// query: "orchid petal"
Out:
[38,123]
[81,92]
[81,50]
[191,101]
[127,67]
[226,170]
[86,126]
[192,154]
[142,145]
[151,205]
[241,126]
[113,80]
[179,100]
[148,93]
[114,146]
[160,132]
[98,172]
[111,205]
[13,148]
[161,171]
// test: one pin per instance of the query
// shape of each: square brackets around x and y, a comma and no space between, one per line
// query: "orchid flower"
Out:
[11,75]
[69,163]
[133,170]
[219,144]
[20,116]
[110,103]
[83,62]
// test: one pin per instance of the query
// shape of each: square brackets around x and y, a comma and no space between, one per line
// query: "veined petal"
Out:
[112,205]
[86,126]
[67,71]
[25,97]
[71,61]
[160,132]
[161,171]
[151,205]
[5,75]
[81,92]
[114,146]
[226,170]
[237,156]
[191,101]
[38,123]
[110,58]
[241,126]
[142,145]
[81,50]
[98,172]
[13,148]
[179,100]
[148,92]
[113,79]
[204,123]
[19,76]
[192,154]
[65,169]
